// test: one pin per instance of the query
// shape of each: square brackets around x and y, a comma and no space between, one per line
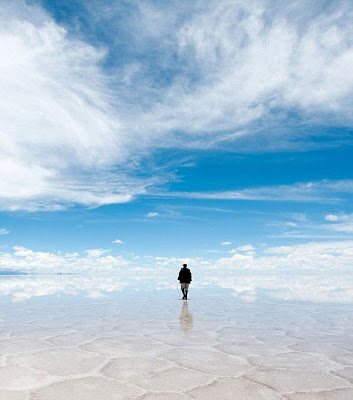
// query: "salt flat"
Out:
[142,345]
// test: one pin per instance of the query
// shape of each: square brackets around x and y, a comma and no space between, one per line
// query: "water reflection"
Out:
[185,318]
[250,286]
[22,288]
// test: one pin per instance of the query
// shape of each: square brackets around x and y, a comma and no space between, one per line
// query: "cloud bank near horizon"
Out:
[316,272]
[312,256]
[75,133]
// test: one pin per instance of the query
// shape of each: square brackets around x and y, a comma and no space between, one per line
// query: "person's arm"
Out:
[179,276]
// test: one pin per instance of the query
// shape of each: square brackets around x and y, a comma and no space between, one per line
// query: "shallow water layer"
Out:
[133,344]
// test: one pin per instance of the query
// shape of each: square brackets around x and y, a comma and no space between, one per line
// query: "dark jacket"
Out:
[185,275]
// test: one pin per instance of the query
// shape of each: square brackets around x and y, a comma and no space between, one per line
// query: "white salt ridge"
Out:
[70,339]
[346,359]
[346,373]
[18,377]
[323,348]
[338,394]
[287,381]
[175,379]
[252,349]
[208,360]
[135,370]
[23,346]
[164,396]
[60,361]
[87,389]
[230,388]
[294,361]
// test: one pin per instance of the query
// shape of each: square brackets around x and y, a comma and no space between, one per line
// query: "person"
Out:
[185,278]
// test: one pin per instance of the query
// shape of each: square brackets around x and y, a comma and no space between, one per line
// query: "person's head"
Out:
[185,265]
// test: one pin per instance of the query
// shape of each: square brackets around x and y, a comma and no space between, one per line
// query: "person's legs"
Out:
[183,290]
[186,291]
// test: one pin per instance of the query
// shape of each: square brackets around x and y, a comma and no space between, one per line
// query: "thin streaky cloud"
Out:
[324,191]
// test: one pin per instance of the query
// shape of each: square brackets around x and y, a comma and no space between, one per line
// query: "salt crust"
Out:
[287,381]
[164,396]
[228,388]
[87,389]
[13,395]
[169,350]
[294,361]
[338,394]
[18,377]
[346,373]
[60,361]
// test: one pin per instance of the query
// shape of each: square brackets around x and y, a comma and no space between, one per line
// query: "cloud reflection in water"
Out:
[335,287]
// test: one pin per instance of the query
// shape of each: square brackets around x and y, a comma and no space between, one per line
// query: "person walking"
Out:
[185,278]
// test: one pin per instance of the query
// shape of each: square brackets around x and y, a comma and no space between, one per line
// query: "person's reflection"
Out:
[185,318]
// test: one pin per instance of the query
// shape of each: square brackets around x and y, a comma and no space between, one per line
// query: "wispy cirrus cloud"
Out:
[324,191]
[224,72]
[246,63]
[336,226]
[62,139]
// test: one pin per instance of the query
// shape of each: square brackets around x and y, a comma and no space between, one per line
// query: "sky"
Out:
[143,134]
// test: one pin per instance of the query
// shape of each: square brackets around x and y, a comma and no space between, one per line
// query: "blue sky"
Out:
[184,130]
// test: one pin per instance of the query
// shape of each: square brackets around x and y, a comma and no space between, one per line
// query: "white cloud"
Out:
[339,223]
[309,287]
[72,255]
[331,217]
[59,148]
[26,287]
[152,214]
[118,241]
[246,247]
[226,243]
[23,252]
[78,141]
[321,250]
[27,260]
[95,253]
[256,61]
[348,228]
[318,272]
[4,231]
[312,271]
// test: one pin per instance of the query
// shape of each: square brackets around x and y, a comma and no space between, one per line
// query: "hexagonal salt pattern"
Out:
[145,348]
